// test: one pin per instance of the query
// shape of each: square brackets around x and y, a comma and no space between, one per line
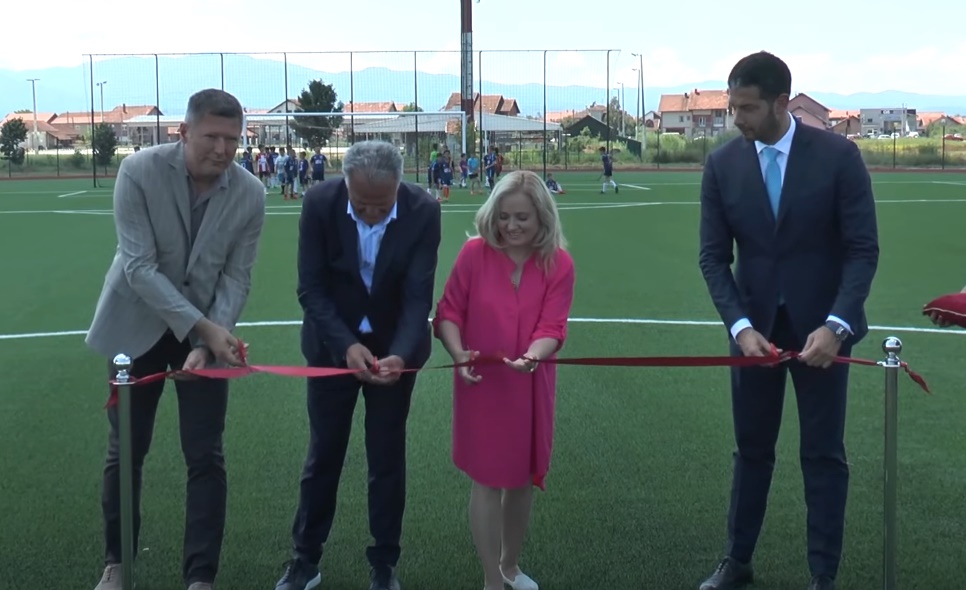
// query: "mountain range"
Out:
[260,84]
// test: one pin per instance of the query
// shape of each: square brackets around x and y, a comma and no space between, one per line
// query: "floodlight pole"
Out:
[33,86]
[466,58]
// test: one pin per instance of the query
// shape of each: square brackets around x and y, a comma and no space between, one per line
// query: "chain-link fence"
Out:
[545,110]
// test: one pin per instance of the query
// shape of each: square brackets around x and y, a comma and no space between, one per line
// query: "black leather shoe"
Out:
[383,577]
[299,575]
[729,575]
[821,583]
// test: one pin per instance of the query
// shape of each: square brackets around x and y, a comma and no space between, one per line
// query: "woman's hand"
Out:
[524,364]
[467,374]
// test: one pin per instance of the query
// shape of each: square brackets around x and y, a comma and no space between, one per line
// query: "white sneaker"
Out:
[111,578]
[521,582]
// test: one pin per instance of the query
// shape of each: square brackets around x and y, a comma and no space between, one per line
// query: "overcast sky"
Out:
[853,46]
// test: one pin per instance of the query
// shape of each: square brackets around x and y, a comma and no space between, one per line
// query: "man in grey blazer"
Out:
[188,223]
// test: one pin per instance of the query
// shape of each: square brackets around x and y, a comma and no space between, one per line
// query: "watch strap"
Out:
[841,333]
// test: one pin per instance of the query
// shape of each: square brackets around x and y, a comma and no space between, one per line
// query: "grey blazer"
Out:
[157,282]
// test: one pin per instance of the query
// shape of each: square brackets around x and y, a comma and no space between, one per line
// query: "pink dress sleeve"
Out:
[453,304]
[552,322]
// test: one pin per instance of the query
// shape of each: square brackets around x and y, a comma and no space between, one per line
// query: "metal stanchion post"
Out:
[124,381]
[891,346]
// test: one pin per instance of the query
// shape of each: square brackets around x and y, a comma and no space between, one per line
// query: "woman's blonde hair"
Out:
[549,236]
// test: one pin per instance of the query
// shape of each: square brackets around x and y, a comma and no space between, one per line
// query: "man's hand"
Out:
[360,358]
[222,343]
[390,368]
[821,348]
[752,343]
[197,360]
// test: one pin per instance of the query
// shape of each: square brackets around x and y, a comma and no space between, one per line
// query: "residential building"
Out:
[156,129]
[494,104]
[809,111]
[836,116]
[117,118]
[700,113]
[888,120]
[371,107]
[675,116]
[351,124]
[49,136]
[597,111]
[850,126]
[939,120]
[652,120]
[271,131]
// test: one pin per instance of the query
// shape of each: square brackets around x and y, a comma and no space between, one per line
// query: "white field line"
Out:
[638,187]
[468,207]
[57,192]
[626,321]
[73,194]
[698,183]
[296,209]
[104,192]
[61,212]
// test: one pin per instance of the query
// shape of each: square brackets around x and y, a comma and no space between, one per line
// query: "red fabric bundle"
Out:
[950,308]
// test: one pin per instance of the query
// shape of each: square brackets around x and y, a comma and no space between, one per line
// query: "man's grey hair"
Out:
[376,161]
[213,102]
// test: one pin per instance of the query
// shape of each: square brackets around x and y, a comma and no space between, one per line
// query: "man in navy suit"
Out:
[366,266]
[798,203]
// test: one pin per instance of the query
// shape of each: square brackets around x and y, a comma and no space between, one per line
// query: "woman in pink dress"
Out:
[508,297]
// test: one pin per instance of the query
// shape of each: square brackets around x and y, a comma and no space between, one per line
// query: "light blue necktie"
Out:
[773,178]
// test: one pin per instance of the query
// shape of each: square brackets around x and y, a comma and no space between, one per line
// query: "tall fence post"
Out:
[91,139]
[288,139]
[157,100]
[608,101]
[480,127]
[545,114]
[943,156]
[419,164]
[352,99]
[892,347]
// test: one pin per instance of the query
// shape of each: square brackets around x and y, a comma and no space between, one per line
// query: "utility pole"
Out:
[33,86]
[623,113]
[466,58]
[640,80]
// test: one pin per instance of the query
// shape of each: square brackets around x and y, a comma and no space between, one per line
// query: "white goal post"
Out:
[365,124]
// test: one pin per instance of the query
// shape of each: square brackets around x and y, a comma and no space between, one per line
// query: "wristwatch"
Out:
[841,333]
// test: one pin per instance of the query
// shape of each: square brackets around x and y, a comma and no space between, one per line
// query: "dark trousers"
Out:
[202,404]
[331,403]
[757,400]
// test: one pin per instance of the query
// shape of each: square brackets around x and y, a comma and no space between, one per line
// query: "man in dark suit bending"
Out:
[798,203]
[366,265]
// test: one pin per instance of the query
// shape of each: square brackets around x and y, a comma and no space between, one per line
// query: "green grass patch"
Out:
[638,490]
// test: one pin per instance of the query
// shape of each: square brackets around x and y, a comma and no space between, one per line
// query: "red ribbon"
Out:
[634,361]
